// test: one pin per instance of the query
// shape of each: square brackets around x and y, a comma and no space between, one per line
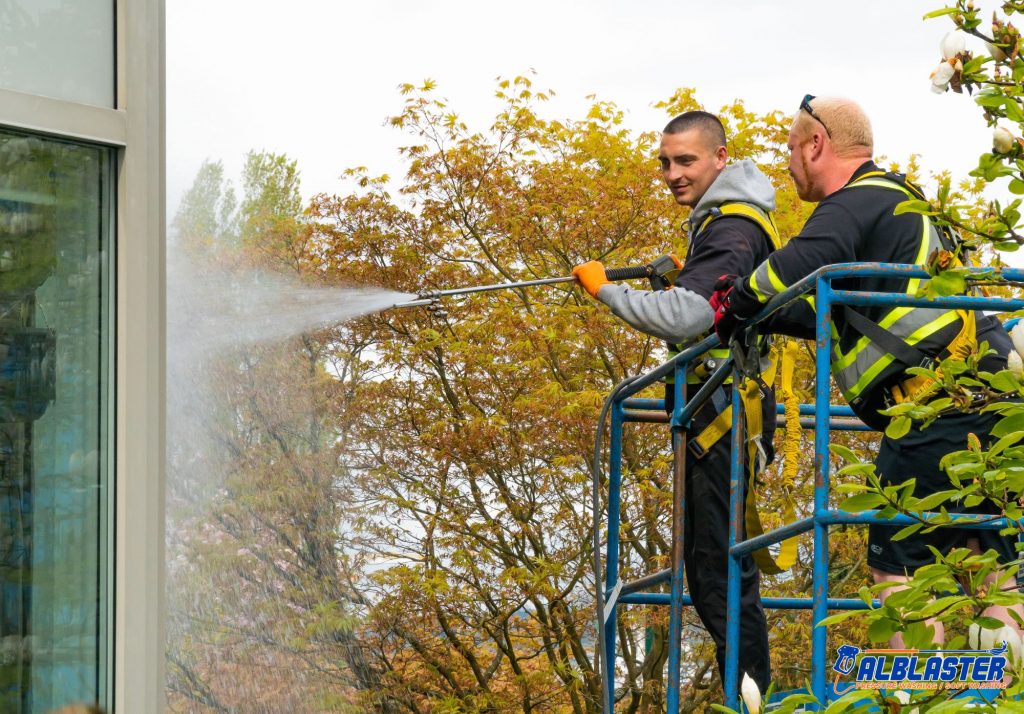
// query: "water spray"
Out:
[661,273]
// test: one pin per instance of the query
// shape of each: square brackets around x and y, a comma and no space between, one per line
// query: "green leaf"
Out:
[932,500]
[1004,381]
[1017,187]
[940,13]
[1008,425]
[914,206]
[881,630]
[947,283]
[898,427]
[862,502]
[989,623]
[839,617]
[909,530]
[843,704]
[1006,442]
[844,453]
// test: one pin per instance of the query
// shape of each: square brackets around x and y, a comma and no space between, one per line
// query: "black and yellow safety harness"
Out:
[784,360]
[896,346]
[752,392]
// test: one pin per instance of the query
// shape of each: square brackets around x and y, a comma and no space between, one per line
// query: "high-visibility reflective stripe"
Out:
[929,241]
[855,371]
[752,284]
[765,282]
[887,321]
[929,234]
[878,365]
[908,322]
[870,180]
[845,360]
[773,278]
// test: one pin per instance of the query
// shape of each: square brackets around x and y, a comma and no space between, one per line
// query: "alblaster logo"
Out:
[921,669]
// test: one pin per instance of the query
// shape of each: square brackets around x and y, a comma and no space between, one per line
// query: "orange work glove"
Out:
[591,276]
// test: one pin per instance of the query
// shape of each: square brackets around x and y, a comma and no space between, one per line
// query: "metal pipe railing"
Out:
[826,417]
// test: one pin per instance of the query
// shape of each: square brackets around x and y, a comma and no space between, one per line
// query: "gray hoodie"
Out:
[679,315]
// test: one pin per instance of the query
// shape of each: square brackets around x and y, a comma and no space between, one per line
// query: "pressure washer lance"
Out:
[661,273]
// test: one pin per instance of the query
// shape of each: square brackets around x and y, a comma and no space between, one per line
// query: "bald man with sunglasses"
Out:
[831,146]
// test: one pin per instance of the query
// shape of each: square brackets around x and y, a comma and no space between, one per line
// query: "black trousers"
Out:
[706,552]
[917,455]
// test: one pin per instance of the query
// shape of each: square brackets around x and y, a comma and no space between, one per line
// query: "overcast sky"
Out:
[315,79]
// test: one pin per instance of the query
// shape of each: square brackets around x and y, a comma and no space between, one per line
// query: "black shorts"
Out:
[917,456]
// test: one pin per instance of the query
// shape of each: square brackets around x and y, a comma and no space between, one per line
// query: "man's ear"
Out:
[817,145]
[721,157]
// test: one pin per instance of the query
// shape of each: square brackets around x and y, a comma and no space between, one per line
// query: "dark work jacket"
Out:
[858,224]
[729,245]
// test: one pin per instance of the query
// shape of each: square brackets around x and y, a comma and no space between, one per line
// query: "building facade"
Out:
[81,355]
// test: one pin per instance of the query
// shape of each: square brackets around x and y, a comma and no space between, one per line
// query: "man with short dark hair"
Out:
[729,230]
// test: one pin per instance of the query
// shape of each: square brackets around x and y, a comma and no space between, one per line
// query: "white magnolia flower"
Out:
[903,697]
[988,639]
[1011,637]
[980,638]
[1002,140]
[1015,364]
[751,694]
[941,76]
[952,45]
[995,52]
[1017,335]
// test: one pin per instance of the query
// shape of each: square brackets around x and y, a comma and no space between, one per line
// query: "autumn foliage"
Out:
[406,503]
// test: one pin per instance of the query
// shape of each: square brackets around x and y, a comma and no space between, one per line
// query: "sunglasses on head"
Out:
[806,106]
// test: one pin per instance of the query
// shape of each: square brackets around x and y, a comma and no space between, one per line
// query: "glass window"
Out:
[59,48]
[55,426]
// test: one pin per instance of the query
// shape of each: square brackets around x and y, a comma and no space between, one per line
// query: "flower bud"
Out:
[1002,140]
[1017,335]
[952,45]
[751,694]
[1015,364]
[996,52]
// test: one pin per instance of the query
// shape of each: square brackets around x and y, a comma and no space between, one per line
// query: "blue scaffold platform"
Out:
[821,418]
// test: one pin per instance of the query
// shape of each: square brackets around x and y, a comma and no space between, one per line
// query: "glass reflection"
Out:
[54,229]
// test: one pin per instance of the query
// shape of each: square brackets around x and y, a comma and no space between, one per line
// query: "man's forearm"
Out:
[675,315]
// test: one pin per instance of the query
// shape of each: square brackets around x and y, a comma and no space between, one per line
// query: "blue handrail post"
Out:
[612,551]
[732,606]
[822,401]
[675,613]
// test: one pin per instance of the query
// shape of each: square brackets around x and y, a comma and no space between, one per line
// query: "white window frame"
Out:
[135,128]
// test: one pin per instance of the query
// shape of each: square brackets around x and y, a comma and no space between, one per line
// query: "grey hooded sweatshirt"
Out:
[682,313]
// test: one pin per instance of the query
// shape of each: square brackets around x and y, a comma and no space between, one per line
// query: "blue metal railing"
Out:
[826,418]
